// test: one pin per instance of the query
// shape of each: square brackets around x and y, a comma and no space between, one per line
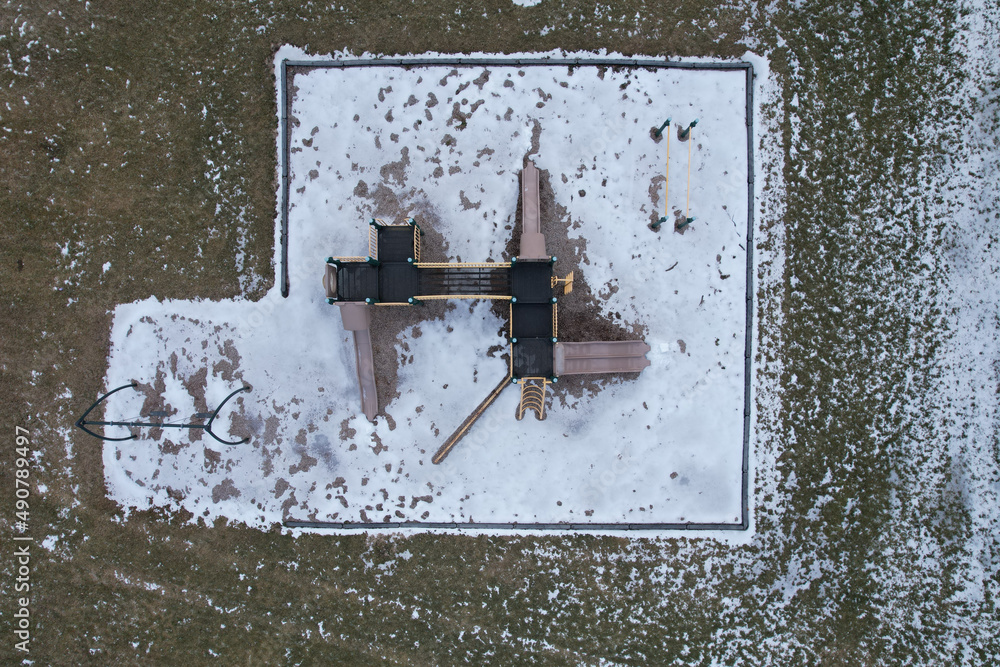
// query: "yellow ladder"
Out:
[533,397]
[373,241]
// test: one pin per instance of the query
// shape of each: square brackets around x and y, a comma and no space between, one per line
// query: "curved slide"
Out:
[625,356]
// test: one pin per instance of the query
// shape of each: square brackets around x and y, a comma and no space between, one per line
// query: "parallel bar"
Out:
[495,297]
[461,265]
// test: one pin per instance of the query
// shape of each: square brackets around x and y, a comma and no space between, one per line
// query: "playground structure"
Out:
[392,274]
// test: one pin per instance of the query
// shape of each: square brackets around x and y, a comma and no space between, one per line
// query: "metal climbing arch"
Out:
[82,423]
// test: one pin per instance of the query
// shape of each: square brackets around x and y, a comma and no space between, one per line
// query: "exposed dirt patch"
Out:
[305,460]
[280,486]
[195,385]
[481,80]
[224,490]
[212,460]
[346,432]
[228,368]
[468,204]
[396,171]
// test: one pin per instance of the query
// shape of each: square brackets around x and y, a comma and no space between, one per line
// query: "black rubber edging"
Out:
[425,525]
[284,106]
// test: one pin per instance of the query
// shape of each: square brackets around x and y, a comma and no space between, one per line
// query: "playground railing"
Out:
[373,241]
[462,265]
[442,297]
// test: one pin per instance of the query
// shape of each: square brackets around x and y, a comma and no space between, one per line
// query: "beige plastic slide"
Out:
[532,239]
[357,319]
[627,356]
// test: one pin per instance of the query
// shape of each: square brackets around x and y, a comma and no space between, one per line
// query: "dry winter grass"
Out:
[143,135]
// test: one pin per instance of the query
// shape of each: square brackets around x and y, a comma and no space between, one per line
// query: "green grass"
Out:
[126,106]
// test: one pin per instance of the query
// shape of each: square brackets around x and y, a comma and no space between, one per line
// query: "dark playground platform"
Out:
[532,325]
[394,275]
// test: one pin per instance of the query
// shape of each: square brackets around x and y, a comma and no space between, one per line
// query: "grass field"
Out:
[137,154]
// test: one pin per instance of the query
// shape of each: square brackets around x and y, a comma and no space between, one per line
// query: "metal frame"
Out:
[82,423]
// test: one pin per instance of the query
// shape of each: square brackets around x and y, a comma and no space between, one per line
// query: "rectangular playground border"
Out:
[287,70]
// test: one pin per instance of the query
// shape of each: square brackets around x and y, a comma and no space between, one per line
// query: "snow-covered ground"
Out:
[446,145]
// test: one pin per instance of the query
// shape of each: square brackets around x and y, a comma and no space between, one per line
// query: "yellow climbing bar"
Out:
[566,282]
[461,265]
[450,443]
[442,297]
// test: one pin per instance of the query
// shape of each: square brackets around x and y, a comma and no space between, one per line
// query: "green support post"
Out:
[655,226]
[686,132]
[413,223]
[372,261]
[414,301]
[687,221]
[666,124]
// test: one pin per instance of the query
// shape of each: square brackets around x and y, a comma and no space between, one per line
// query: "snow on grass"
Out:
[446,145]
